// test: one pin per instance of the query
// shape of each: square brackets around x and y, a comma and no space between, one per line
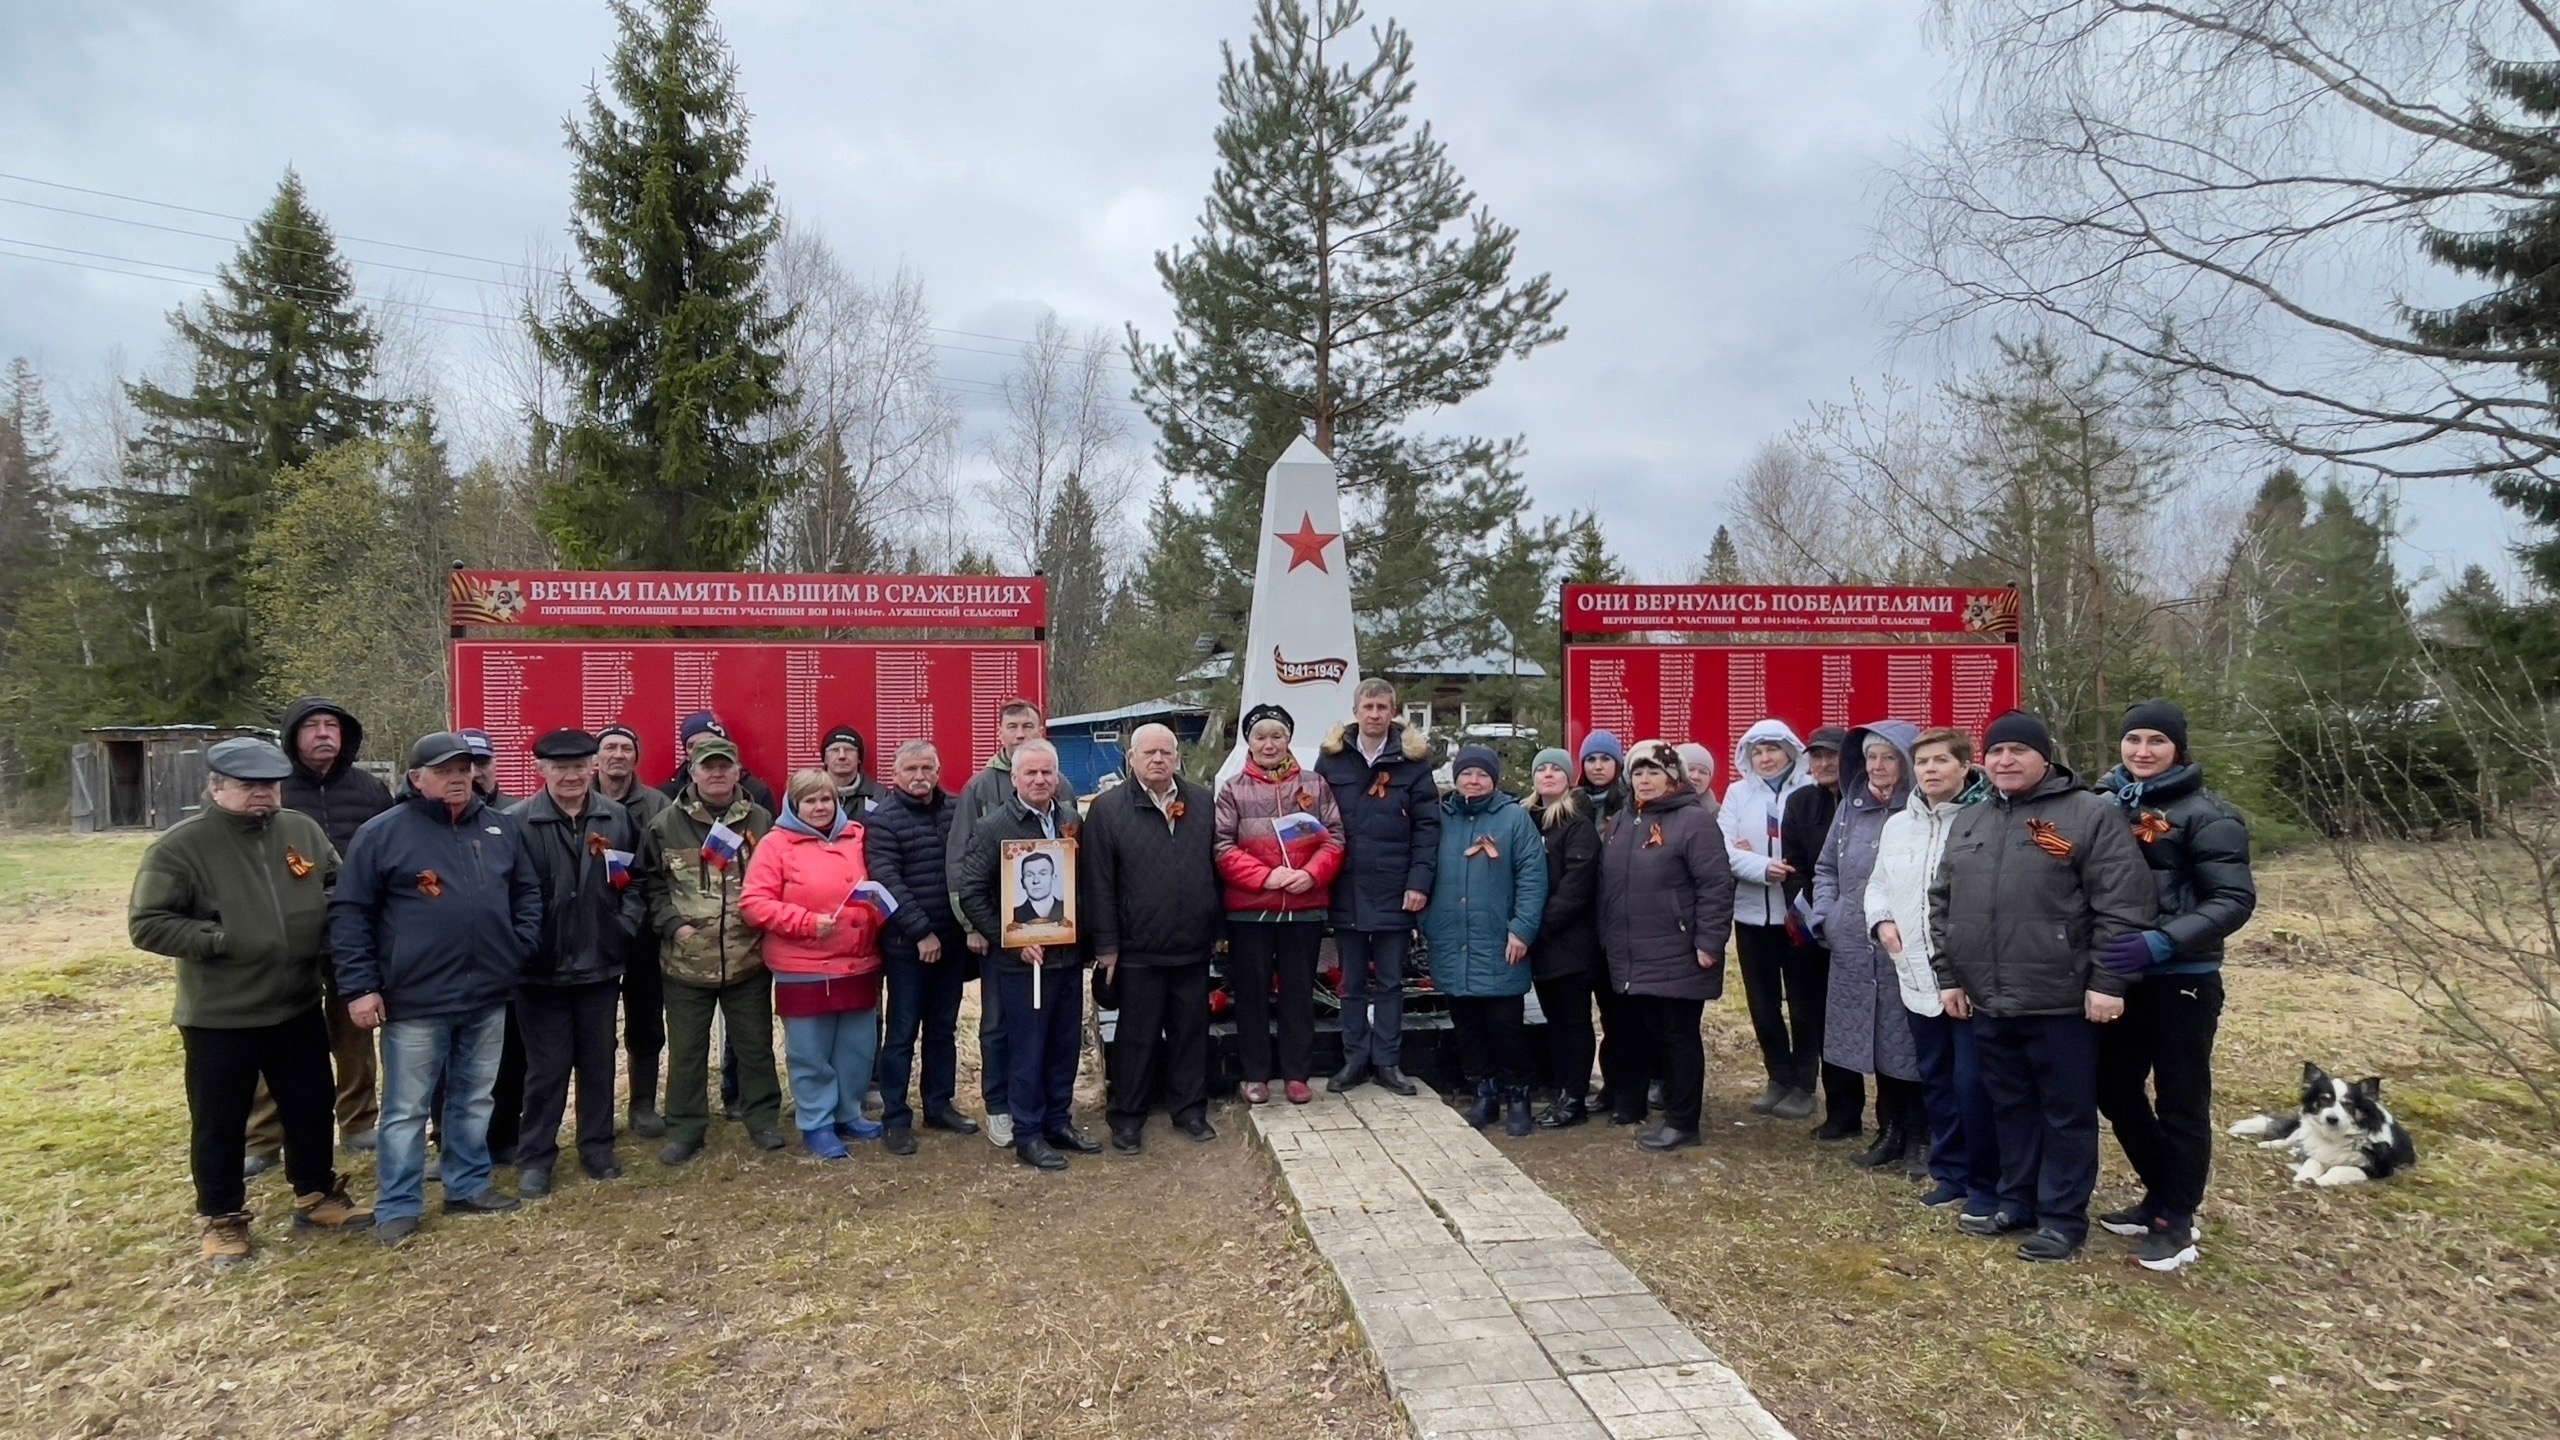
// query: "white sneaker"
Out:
[999,1130]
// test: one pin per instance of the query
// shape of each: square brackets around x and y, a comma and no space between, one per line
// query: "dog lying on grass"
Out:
[2342,1135]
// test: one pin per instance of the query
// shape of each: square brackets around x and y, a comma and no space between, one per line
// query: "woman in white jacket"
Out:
[1783,974]
[1964,1151]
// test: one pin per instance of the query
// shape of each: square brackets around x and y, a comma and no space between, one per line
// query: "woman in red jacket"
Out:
[1279,844]
[822,943]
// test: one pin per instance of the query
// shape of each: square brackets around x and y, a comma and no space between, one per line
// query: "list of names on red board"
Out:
[1712,693]
[776,701]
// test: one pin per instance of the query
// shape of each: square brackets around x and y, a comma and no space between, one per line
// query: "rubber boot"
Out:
[1488,1104]
[1516,1120]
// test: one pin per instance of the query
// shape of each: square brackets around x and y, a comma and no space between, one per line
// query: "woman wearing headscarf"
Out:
[1864,1030]
[1564,961]
[1279,844]
[822,943]
[1486,902]
[1698,765]
[1666,910]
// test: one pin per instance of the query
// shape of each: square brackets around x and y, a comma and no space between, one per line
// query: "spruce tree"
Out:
[29,500]
[1078,572]
[1344,281]
[281,367]
[673,457]
[1723,565]
[1587,560]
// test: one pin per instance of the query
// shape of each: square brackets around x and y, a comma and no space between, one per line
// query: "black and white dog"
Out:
[2343,1135]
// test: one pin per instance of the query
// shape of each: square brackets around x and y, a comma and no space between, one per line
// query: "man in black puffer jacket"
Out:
[1150,867]
[1380,771]
[923,947]
[2037,882]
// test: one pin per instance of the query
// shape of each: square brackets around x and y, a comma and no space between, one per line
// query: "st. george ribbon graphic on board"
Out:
[776,698]
[1300,651]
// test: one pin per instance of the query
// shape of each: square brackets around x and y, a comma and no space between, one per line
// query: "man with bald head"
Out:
[1152,916]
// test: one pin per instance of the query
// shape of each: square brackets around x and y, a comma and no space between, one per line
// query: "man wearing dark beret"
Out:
[587,850]
[238,895]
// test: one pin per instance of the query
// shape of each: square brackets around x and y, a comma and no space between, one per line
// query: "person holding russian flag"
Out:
[1279,845]
[811,893]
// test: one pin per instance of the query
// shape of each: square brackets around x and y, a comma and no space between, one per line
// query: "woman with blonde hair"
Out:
[822,943]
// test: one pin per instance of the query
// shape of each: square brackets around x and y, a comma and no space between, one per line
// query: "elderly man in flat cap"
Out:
[238,895]
[587,849]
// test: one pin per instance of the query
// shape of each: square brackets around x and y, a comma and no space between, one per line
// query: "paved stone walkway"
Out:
[1494,1313]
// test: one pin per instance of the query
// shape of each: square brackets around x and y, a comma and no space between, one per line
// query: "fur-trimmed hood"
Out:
[1409,739]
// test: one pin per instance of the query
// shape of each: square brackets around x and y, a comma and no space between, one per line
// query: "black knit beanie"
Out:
[2017,727]
[2157,715]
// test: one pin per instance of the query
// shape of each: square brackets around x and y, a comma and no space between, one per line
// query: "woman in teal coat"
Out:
[1486,903]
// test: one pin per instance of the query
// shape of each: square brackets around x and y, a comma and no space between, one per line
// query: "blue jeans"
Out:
[1964,1138]
[924,1008]
[461,1051]
[1372,1019]
[830,1058]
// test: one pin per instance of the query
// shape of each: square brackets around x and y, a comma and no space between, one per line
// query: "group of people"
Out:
[2006,952]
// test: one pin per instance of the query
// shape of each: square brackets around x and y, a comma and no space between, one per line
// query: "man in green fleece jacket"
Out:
[238,894]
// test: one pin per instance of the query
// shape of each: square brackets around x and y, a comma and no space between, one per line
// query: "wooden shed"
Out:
[143,777]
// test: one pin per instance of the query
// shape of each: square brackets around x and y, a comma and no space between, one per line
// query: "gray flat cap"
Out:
[247,758]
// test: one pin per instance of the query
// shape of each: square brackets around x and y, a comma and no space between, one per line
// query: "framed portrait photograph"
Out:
[1039,893]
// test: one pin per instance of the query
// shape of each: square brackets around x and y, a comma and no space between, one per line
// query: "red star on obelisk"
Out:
[1306,546]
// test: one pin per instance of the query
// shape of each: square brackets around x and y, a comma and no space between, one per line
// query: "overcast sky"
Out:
[1695,175]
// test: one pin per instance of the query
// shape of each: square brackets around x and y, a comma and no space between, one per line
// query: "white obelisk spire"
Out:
[1300,651]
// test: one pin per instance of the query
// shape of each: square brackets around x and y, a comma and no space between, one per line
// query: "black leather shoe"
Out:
[1564,1115]
[1127,1142]
[1036,1153]
[1621,1117]
[766,1139]
[676,1152]
[532,1183]
[1349,1077]
[1994,1225]
[899,1140]
[487,1202]
[943,1117]
[1838,1127]
[610,1170]
[1068,1137]
[1667,1138]
[1198,1128]
[1392,1080]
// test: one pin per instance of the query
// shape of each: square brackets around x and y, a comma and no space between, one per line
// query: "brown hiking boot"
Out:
[226,1240]
[333,1211]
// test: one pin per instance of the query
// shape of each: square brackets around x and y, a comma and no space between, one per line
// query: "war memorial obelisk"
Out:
[1300,651]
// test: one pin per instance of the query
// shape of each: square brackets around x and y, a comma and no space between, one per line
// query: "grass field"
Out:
[2429,1305]
[950,1294]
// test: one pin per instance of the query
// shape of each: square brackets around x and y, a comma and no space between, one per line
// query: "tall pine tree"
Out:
[1344,281]
[673,458]
[30,502]
[281,362]
[1079,575]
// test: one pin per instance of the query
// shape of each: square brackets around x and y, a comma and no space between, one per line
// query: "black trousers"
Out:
[1675,1053]
[1787,984]
[567,1030]
[1161,1045]
[1257,950]
[506,1095]
[644,1018]
[1626,1053]
[2042,1075]
[223,1071]
[2164,1043]
[1493,1039]
[1566,999]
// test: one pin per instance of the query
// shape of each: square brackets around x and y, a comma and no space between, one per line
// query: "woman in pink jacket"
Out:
[822,943]
[1279,843]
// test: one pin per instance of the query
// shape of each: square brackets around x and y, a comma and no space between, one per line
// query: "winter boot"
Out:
[1488,1104]
[1516,1120]
[1891,1141]
[646,1122]
[1565,1113]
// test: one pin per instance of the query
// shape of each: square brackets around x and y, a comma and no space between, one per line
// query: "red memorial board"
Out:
[1990,612]
[1712,693]
[775,698]
[592,598]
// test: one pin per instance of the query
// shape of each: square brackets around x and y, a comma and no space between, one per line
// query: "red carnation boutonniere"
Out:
[1654,836]
[294,863]
[430,884]
[1378,786]
[1485,847]
[2150,825]
[2050,840]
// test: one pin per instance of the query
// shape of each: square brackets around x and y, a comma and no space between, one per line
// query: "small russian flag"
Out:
[875,895]
[1296,825]
[617,868]
[720,848]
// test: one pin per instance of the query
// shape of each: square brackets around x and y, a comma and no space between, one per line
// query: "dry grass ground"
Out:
[2429,1305]
[955,1295]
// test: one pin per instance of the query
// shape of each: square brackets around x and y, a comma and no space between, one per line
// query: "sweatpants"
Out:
[2164,1043]
[1964,1137]
[359,1105]
[1566,1000]
[1257,950]
[1162,1044]
[1041,1044]
[1787,984]
[1493,1039]
[223,1071]
[2041,1072]
[1674,1053]
[568,1032]
[1373,995]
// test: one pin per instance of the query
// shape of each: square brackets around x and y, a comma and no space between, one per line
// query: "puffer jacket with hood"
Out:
[1754,809]
[1492,887]
[1863,1028]
[799,877]
[1390,824]
[1666,893]
[2031,888]
[689,890]
[2198,850]
[1906,856]
[343,797]
[1249,805]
